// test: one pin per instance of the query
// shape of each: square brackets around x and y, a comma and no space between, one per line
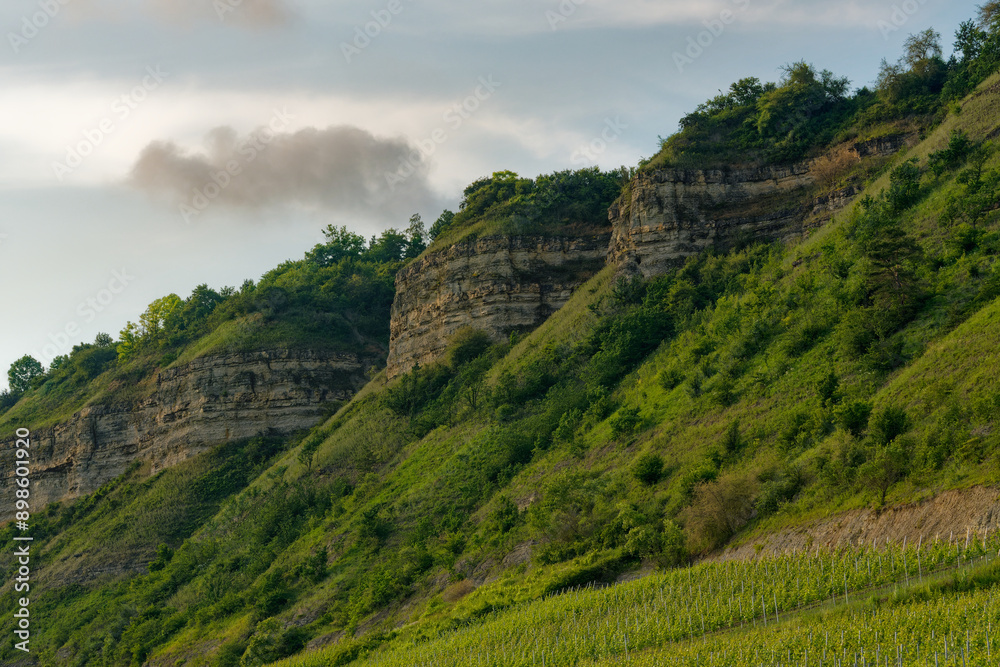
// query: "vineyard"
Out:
[957,630]
[684,615]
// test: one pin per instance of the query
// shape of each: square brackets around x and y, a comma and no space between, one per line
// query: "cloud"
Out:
[341,169]
[541,16]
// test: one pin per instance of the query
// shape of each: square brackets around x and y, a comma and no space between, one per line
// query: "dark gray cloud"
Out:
[342,169]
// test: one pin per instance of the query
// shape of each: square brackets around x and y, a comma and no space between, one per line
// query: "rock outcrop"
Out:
[671,214]
[496,284]
[193,407]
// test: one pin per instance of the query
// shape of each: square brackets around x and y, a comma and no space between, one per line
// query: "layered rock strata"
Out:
[193,407]
[495,284]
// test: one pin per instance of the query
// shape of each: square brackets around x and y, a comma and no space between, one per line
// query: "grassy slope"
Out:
[373,481]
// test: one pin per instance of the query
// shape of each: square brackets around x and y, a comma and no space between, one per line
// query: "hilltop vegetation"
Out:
[809,110]
[645,424]
[508,204]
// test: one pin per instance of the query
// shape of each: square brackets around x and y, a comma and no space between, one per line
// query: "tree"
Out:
[309,448]
[746,92]
[157,313]
[103,340]
[921,49]
[979,193]
[969,40]
[885,466]
[893,255]
[989,16]
[390,247]
[441,224]
[130,339]
[340,243]
[22,372]
[415,236]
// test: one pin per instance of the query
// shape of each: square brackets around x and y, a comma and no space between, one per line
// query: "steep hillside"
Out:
[798,343]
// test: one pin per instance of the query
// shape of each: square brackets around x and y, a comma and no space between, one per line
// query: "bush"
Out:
[704,473]
[887,424]
[853,417]
[648,469]
[625,422]
[466,344]
[670,378]
[732,440]
[827,388]
[776,490]
[958,150]
[718,510]
[505,515]
[674,545]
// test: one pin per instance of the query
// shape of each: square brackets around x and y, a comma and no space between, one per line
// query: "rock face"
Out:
[193,407]
[672,214]
[496,284]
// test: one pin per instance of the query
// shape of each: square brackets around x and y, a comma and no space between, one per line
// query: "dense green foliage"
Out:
[506,203]
[808,110]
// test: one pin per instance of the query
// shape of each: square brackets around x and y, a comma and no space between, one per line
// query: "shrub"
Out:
[718,510]
[690,479]
[732,440]
[853,417]
[829,168]
[887,424]
[777,489]
[958,150]
[163,556]
[669,378]
[826,388]
[625,422]
[648,469]
[674,545]
[505,515]
[466,344]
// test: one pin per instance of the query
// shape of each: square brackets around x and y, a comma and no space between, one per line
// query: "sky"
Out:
[149,146]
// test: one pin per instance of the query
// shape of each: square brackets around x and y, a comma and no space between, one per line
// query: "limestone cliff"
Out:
[193,407]
[497,284]
[670,214]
